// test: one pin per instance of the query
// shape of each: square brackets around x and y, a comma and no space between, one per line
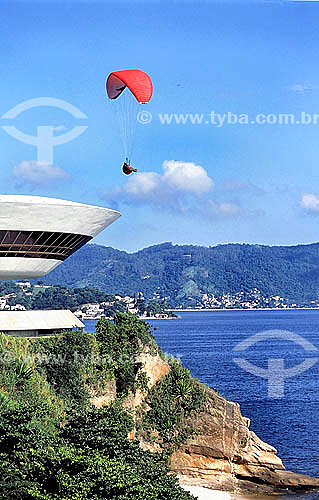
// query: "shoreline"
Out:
[206,494]
[152,318]
[148,318]
[246,309]
[202,493]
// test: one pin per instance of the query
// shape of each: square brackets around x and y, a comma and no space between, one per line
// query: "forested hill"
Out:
[183,273]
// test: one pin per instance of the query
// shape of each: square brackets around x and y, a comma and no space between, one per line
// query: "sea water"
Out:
[205,343]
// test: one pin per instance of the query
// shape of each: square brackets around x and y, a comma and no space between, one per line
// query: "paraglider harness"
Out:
[126,168]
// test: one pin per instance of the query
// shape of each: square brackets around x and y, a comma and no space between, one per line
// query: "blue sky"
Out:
[197,183]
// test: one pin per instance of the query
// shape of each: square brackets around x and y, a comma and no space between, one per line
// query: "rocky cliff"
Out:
[220,452]
[224,454]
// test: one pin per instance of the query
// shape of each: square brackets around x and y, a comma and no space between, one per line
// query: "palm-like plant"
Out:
[22,373]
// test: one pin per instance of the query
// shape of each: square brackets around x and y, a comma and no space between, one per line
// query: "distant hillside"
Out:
[183,273]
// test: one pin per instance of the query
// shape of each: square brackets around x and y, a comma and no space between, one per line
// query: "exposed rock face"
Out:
[226,455]
[108,395]
[155,368]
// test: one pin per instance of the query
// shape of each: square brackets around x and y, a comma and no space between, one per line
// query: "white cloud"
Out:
[38,173]
[182,188]
[310,202]
[186,177]
[143,185]
[237,187]
[179,179]
[225,209]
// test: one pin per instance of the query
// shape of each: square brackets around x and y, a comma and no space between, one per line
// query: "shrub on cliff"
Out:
[66,361]
[53,443]
[119,345]
[170,402]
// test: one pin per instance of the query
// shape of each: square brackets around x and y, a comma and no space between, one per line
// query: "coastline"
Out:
[152,318]
[148,318]
[202,493]
[245,309]
[206,494]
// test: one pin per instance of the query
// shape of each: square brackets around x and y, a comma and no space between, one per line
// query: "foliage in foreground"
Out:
[90,458]
[53,443]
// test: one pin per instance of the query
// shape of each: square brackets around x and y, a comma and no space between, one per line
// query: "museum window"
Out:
[40,244]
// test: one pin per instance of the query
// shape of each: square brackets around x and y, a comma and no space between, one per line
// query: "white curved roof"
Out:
[38,320]
[16,198]
[37,213]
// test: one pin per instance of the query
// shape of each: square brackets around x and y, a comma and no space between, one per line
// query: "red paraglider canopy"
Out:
[136,80]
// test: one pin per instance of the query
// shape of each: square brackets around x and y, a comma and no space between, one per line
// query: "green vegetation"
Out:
[63,297]
[171,401]
[56,297]
[15,294]
[67,363]
[182,272]
[120,343]
[54,444]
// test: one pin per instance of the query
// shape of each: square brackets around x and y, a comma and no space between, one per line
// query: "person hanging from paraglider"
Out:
[136,87]
[126,167]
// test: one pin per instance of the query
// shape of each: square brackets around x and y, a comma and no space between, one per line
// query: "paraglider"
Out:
[127,103]
[126,167]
